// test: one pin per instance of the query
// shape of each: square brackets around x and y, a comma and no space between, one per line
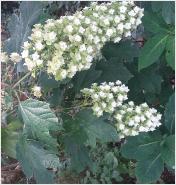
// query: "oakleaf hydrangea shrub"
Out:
[67,45]
[63,47]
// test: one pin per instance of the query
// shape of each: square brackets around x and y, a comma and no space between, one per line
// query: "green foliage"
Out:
[124,50]
[116,55]
[142,146]
[20,26]
[146,149]
[166,8]
[168,150]
[152,50]
[8,100]
[149,170]
[113,70]
[78,153]
[95,128]
[76,148]
[84,129]
[145,85]
[170,115]
[84,79]
[47,82]
[57,96]
[34,160]
[105,166]
[170,51]
[39,120]
[100,130]
[36,147]
[10,135]
[154,23]
[151,151]
[163,35]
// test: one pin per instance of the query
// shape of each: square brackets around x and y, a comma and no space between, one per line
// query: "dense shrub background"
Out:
[145,63]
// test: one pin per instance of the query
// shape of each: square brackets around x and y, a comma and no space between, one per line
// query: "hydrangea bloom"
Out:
[131,119]
[67,45]
[106,97]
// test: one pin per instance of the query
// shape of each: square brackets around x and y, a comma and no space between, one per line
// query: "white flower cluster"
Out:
[131,119]
[15,57]
[106,97]
[4,57]
[69,44]
[37,91]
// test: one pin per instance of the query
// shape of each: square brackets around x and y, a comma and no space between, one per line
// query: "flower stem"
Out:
[25,76]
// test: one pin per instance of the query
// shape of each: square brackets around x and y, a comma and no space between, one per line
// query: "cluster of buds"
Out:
[106,97]
[67,45]
[131,119]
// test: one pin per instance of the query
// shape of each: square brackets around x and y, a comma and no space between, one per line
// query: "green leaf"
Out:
[168,12]
[152,50]
[47,82]
[96,128]
[152,83]
[74,139]
[168,151]
[84,79]
[156,6]
[169,115]
[78,153]
[102,131]
[39,120]
[10,136]
[125,50]
[142,147]
[20,27]
[57,96]
[8,100]
[166,92]
[145,85]
[154,23]
[15,125]
[93,127]
[145,148]
[34,161]
[170,51]
[113,70]
[83,129]
[149,171]
[9,141]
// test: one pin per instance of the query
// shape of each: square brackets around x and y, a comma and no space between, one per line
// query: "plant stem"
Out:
[25,76]
[16,94]
[82,105]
